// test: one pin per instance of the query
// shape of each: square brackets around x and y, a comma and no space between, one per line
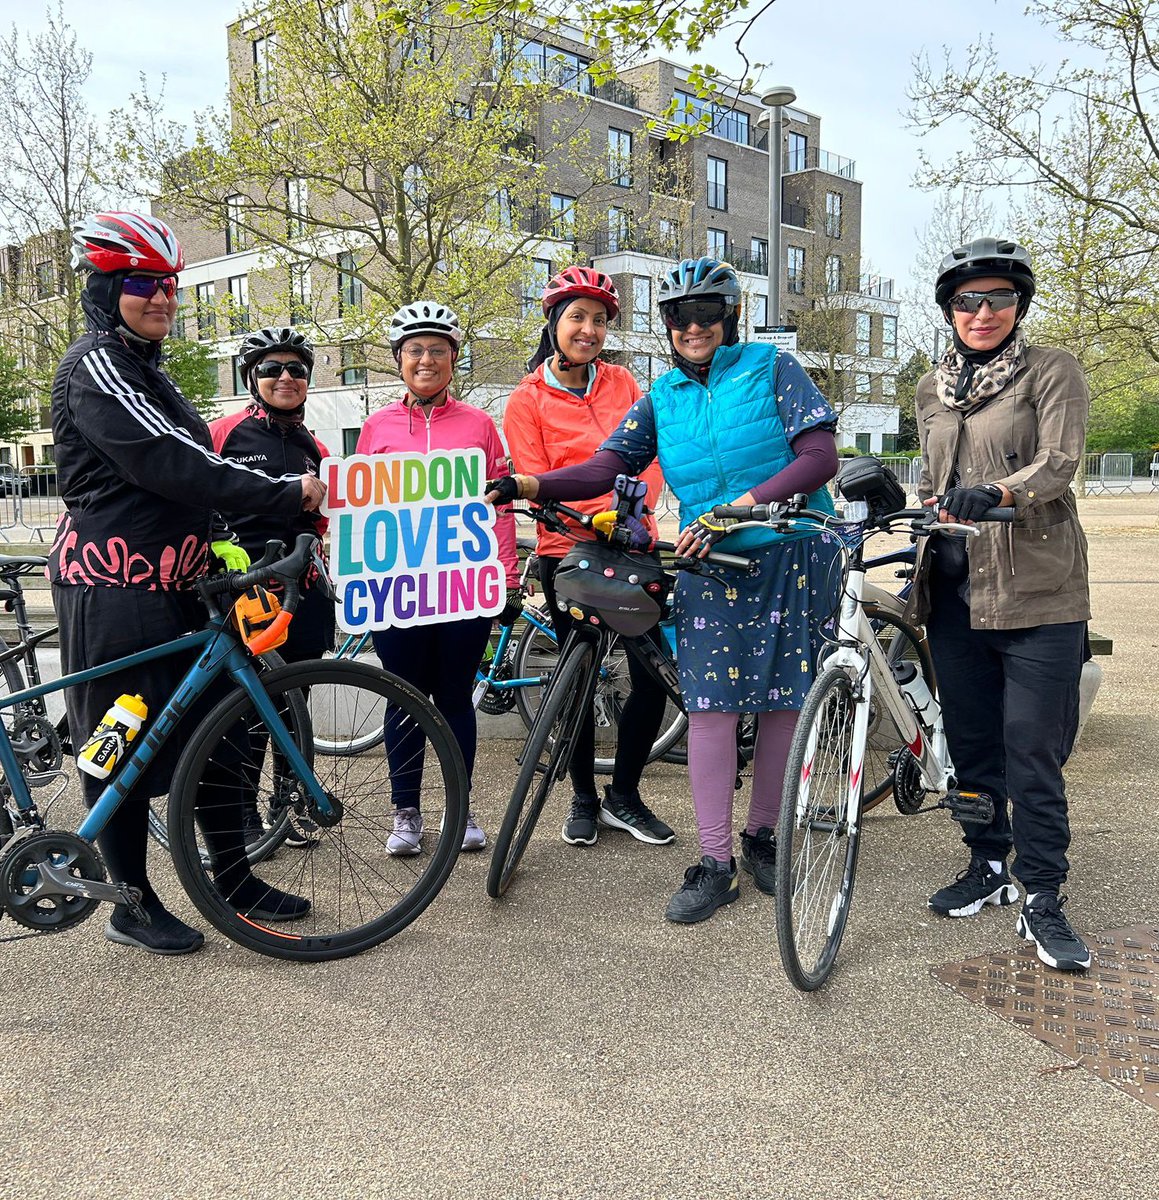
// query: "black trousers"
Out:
[1010,702]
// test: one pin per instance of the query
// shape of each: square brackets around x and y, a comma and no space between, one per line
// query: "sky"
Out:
[849,61]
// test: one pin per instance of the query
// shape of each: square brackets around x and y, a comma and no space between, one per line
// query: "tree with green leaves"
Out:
[17,417]
[193,368]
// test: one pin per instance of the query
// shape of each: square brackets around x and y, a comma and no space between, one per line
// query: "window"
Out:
[889,337]
[529,62]
[862,333]
[179,320]
[760,309]
[349,285]
[263,68]
[641,304]
[206,318]
[239,386]
[759,252]
[798,151]
[620,157]
[235,235]
[563,216]
[724,122]
[717,183]
[299,292]
[43,346]
[297,199]
[832,273]
[501,208]
[353,365]
[861,441]
[239,303]
[888,443]
[567,70]
[350,441]
[669,232]
[465,363]
[889,387]
[717,241]
[861,384]
[44,285]
[537,279]
[619,229]
[412,184]
[796,272]
[833,214]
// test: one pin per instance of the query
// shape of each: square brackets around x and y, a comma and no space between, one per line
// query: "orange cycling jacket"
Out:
[548,427]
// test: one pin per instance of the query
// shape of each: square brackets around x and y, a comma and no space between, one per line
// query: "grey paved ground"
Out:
[568,1043]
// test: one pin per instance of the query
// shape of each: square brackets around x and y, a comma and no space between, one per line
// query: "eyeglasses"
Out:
[414,353]
[145,287]
[272,369]
[679,314]
[998,299]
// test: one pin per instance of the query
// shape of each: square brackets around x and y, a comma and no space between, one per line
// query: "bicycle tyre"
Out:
[812,907]
[536,655]
[545,759]
[901,642]
[371,737]
[360,896]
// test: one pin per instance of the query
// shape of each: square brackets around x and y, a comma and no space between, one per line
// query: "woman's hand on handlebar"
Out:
[965,505]
[699,538]
[510,487]
[313,493]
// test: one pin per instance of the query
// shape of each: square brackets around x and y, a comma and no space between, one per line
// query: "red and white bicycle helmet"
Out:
[573,282]
[125,241]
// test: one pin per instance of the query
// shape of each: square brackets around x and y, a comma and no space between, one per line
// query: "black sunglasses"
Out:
[272,369]
[679,314]
[145,287]
[998,299]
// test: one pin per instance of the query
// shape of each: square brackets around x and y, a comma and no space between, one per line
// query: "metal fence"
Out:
[1109,473]
[29,504]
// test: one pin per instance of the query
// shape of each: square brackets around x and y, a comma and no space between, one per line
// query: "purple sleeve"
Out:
[585,480]
[814,466]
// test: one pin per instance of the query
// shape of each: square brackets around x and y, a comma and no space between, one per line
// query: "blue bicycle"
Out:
[259,740]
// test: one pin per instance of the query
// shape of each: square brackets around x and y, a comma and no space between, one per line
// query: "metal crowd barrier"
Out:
[30,505]
[1109,473]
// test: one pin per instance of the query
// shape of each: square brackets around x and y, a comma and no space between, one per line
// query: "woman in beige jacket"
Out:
[1002,422]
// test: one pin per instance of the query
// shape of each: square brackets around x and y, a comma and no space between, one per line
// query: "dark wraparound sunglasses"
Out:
[145,287]
[273,370]
[703,312]
[971,302]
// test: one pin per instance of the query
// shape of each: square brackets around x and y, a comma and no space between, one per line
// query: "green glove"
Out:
[230,553]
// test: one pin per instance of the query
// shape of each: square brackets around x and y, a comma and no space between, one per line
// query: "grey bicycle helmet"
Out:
[255,346]
[695,277]
[424,316]
[985,257]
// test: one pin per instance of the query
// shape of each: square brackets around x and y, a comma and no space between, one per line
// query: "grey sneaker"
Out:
[1042,922]
[975,887]
[581,828]
[473,836]
[706,887]
[631,814]
[407,835]
[758,856]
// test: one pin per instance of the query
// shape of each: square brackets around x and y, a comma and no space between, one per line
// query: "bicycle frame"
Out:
[220,652]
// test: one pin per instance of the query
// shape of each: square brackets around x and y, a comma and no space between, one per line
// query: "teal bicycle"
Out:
[258,739]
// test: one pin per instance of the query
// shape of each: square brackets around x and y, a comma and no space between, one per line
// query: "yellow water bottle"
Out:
[102,753]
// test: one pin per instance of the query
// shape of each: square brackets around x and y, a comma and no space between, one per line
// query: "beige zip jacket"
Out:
[1029,438]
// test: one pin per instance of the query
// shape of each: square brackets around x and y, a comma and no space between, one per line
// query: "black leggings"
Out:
[639,722]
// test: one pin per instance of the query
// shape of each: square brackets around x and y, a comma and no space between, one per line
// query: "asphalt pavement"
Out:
[567,1042]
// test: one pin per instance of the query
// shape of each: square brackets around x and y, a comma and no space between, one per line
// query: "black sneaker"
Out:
[631,814]
[706,887]
[758,856]
[258,900]
[976,886]
[1042,922]
[252,826]
[303,833]
[580,827]
[165,933]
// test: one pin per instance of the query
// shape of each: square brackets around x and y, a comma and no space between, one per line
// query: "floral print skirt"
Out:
[751,643]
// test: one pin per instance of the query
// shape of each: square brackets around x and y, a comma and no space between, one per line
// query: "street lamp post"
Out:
[775,99]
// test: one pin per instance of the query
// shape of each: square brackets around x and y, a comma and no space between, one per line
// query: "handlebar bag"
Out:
[868,478]
[624,591]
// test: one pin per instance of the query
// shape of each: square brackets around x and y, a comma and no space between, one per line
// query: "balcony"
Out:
[754,264]
[796,215]
[632,242]
[813,159]
[876,286]
[617,92]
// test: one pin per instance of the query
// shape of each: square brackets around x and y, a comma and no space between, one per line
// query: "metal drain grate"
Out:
[1105,1020]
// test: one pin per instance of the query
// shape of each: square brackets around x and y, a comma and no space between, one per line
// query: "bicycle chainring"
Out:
[38,747]
[497,701]
[23,893]
[908,793]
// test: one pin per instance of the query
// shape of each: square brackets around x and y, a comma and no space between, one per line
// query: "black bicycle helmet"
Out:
[255,346]
[980,258]
[700,277]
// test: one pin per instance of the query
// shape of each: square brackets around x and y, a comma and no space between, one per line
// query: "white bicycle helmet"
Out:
[424,316]
[123,241]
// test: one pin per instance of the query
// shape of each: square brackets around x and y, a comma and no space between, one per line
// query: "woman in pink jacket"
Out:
[439,659]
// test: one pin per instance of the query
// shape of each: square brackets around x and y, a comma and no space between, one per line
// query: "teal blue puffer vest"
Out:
[716,442]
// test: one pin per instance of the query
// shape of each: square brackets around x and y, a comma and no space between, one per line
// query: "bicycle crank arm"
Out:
[56,881]
[975,807]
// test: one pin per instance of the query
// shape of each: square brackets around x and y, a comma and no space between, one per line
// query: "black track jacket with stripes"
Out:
[137,472]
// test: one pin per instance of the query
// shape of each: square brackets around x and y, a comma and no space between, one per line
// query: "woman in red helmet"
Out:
[558,416]
[140,482]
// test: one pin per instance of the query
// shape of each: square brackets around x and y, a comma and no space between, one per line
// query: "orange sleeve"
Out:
[524,433]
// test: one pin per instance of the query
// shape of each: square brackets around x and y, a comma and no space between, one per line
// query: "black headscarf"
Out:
[698,372]
[101,302]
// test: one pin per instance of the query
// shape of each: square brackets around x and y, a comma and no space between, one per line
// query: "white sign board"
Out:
[784,337]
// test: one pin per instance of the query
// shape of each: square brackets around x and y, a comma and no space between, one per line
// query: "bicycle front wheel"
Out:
[817,835]
[358,894]
[545,759]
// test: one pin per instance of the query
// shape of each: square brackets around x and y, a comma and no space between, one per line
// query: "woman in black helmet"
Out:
[1003,422]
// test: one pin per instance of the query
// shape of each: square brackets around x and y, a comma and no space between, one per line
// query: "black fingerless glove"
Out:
[969,503]
[512,608]
[507,488]
[710,529]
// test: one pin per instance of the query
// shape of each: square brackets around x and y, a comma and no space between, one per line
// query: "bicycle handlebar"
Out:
[787,513]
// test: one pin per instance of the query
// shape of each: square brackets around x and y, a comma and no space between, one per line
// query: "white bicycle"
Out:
[819,829]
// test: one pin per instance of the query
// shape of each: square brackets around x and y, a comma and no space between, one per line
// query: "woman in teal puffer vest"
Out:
[741,424]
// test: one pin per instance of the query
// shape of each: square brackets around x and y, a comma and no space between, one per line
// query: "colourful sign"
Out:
[411,539]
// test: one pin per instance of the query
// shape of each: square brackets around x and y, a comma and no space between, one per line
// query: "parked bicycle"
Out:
[359,896]
[819,830]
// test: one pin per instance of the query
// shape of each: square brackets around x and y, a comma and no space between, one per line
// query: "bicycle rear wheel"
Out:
[359,649]
[817,838]
[359,895]
[545,759]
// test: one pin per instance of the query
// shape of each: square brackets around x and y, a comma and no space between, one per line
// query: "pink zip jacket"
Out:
[398,428]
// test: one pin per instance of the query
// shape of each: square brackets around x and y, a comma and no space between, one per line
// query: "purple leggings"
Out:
[712,771]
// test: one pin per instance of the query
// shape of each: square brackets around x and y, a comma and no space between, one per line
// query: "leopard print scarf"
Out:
[963,385]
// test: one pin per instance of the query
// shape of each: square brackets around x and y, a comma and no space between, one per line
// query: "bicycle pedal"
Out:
[975,807]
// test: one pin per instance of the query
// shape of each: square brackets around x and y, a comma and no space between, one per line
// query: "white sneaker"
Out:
[473,836]
[407,835]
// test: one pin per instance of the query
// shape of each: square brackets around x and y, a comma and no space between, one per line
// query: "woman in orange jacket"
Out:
[558,416]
